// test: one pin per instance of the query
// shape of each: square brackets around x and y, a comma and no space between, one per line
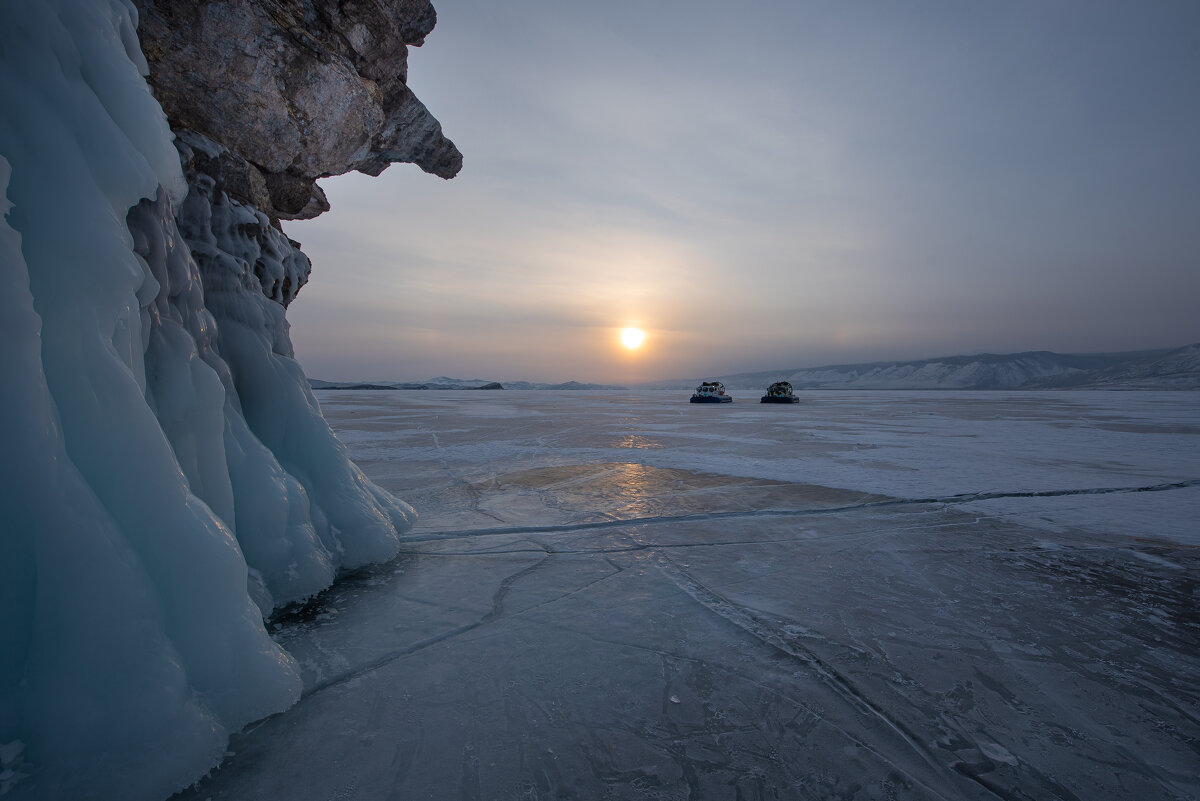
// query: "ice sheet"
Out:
[865,595]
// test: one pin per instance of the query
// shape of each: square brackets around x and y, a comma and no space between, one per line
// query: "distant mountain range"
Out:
[1176,368]
[444,382]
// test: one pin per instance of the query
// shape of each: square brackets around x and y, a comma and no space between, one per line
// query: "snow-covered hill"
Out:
[1159,369]
[1176,369]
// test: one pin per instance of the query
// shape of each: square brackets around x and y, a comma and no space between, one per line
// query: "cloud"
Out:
[829,181]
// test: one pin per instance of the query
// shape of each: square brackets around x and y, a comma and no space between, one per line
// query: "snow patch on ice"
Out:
[1155,559]
[996,752]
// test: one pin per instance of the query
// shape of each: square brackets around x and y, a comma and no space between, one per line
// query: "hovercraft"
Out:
[779,392]
[711,392]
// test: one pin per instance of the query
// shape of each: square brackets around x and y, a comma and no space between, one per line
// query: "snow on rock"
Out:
[169,477]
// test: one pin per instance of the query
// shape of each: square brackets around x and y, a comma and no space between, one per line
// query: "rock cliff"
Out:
[294,90]
[170,479]
[264,97]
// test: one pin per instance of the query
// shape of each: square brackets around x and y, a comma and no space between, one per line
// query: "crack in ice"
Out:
[944,500]
[721,606]
[493,614]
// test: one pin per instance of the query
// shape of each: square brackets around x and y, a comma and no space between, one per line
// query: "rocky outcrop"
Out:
[264,98]
[172,478]
[294,90]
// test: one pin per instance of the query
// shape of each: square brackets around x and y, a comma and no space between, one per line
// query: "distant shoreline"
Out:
[1164,369]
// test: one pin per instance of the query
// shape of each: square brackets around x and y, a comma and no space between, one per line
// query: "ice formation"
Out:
[168,477]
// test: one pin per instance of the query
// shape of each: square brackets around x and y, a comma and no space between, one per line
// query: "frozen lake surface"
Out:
[867,595]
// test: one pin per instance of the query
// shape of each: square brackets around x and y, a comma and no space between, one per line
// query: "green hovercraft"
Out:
[779,392]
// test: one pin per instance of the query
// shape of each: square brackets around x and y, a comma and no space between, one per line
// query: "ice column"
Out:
[164,459]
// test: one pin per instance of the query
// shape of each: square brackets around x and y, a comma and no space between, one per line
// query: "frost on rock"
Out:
[168,475]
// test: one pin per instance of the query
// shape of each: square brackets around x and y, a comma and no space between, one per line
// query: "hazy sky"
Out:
[772,184]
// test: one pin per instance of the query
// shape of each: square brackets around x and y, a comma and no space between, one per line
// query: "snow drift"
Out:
[169,477]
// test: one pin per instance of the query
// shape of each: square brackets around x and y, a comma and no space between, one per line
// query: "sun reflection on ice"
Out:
[637,441]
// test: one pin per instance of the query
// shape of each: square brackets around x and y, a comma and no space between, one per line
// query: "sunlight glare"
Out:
[632,337]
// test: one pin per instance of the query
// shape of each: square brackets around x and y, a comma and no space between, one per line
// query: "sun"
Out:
[632,338]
